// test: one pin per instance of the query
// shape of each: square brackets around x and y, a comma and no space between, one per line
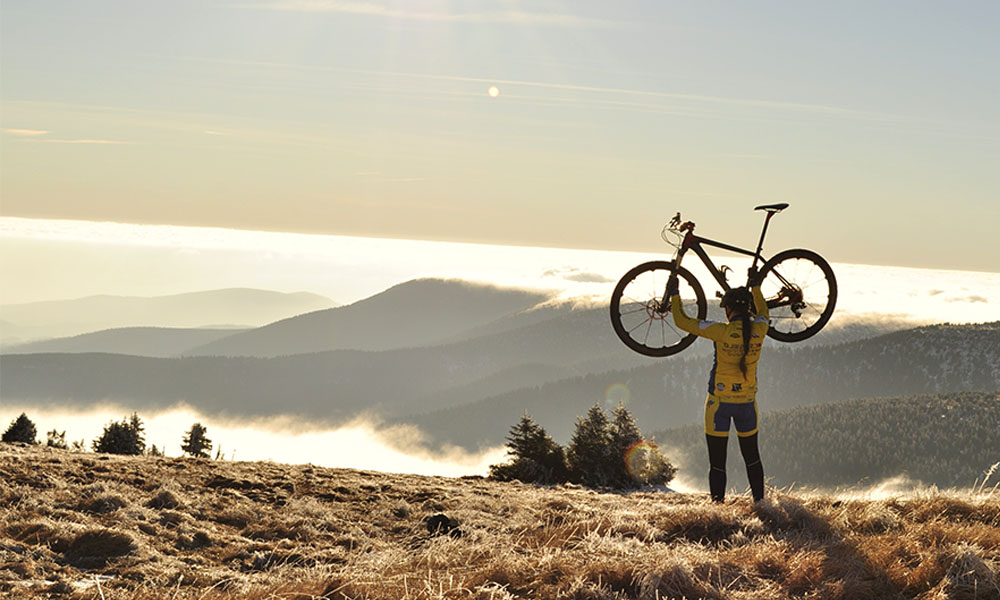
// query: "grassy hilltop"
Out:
[85,526]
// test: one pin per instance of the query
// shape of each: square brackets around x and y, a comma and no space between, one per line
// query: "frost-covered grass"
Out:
[96,526]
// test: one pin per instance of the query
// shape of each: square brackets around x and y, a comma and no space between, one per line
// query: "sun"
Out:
[494,91]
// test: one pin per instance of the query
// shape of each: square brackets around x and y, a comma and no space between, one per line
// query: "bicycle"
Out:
[798,284]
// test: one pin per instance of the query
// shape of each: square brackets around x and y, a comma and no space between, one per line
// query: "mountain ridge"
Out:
[236,306]
[414,313]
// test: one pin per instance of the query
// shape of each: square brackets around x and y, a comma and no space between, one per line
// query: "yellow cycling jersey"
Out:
[726,381]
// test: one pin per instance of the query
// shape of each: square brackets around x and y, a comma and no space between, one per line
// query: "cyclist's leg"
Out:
[717,466]
[717,437]
[746,430]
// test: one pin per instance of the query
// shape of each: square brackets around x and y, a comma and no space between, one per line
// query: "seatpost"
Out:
[760,244]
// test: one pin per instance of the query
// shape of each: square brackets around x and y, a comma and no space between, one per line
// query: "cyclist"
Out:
[732,385]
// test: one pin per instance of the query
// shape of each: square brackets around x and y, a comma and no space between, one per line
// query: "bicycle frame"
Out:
[696,243]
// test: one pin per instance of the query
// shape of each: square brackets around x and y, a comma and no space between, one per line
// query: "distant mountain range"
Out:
[160,342]
[412,314]
[464,361]
[213,309]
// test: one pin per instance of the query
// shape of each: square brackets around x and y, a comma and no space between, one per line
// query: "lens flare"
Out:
[643,461]
[617,393]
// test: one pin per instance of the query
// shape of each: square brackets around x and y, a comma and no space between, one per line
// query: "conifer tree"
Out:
[21,430]
[624,435]
[136,427]
[122,437]
[195,443]
[589,452]
[535,458]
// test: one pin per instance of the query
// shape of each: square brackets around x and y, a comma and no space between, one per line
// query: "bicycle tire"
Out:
[635,303]
[807,274]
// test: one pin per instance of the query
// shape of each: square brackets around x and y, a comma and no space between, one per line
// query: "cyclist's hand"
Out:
[753,277]
[672,286]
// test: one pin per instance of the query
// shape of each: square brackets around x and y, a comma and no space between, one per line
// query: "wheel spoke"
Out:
[641,323]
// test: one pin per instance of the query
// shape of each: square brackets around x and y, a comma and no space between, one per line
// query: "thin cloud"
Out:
[610,91]
[970,299]
[391,12]
[577,275]
[94,142]
[26,132]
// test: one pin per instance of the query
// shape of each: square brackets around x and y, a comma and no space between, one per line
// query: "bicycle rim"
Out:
[636,306]
[801,293]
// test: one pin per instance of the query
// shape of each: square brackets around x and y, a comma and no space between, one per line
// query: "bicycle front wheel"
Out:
[801,292]
[640,317]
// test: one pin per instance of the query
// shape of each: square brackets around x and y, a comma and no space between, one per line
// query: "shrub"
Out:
[95,547]
[535,458]
[55,439]
[124,437]
[601,453]
[21,430]
[589,451]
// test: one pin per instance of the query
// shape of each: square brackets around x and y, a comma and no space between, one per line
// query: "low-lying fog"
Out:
[361,444]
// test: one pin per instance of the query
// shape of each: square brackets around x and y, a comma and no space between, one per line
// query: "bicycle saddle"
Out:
[772,207]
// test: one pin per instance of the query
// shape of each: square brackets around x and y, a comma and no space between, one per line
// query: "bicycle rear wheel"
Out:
[639,317]
[801,293]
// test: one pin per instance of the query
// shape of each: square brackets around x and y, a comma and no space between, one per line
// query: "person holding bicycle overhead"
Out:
[732,384]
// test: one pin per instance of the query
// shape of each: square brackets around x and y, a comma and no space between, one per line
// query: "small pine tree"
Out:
[535,458]
[55,439]
[21,430]
[589,452]
[195,443]
[136,427]
[122,437]
[154,451]
[648,466]
[624,435]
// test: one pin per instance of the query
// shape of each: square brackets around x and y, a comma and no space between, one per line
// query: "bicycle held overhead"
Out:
[798,285]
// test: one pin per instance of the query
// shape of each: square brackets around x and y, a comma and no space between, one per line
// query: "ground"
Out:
[85,525]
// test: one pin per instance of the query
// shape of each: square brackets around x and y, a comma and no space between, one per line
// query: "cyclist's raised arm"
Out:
[753,282]
[706,329]
[759,303]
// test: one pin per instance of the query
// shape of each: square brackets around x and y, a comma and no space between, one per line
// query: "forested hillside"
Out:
[456,380]
[948,440]
[670,393]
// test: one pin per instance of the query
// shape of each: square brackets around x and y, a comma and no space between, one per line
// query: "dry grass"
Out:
[86,526]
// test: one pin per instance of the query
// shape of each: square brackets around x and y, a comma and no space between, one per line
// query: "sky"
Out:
[554,124]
